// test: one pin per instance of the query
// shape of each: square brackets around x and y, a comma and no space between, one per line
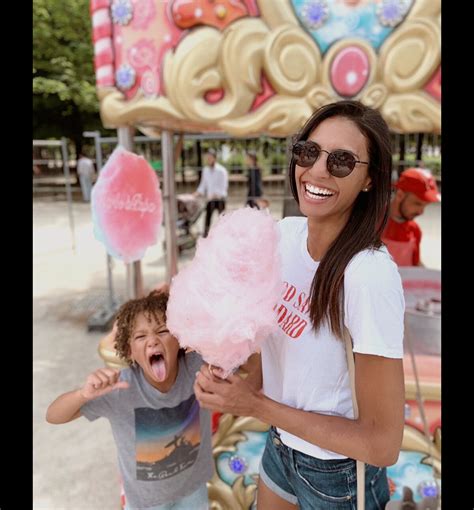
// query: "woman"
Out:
[255,179]
[340,175]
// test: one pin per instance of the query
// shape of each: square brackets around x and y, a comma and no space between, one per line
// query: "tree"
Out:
[64,95]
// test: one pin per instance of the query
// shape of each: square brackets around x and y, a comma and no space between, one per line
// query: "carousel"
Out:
[255,67]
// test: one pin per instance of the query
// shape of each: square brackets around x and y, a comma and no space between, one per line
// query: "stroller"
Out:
[189,211]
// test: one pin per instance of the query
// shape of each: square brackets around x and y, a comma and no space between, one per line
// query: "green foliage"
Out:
[433,163]
[236,160]
[278,159]
[64,95]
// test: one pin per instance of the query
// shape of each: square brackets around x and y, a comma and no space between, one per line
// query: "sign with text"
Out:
[127,206]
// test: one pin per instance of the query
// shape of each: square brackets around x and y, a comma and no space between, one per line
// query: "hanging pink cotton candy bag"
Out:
[127,206]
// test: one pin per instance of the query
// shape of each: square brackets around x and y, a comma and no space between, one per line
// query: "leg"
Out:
[207,223]
[268,500]
[82,180]
[211,207]
[88,188]
[274,490]
[220,206]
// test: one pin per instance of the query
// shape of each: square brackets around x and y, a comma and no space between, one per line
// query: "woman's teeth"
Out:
[317,192]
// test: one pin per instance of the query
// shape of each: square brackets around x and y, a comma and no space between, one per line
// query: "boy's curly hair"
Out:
[153,306]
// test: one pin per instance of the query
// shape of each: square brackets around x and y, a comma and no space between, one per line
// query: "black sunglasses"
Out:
[339,163]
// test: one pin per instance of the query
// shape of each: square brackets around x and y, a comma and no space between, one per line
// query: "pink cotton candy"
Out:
[126,206]
[222,303]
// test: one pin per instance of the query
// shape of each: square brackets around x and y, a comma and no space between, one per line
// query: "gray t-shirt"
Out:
[163,439]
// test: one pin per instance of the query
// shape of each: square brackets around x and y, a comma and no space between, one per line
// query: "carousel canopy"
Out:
[251,67]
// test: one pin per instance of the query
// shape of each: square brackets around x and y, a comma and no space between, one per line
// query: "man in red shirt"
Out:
[415,189]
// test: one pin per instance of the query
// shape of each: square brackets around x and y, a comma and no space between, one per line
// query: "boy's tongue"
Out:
[159,368]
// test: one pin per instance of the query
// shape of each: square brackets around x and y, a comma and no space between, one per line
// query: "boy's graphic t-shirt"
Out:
[163,439]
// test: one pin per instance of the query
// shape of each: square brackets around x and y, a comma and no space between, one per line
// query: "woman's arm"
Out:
[253,369]
[375,437]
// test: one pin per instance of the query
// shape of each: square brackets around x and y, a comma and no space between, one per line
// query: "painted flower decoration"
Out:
[143,13]
[122,12]
[237,464]
[125,77]
[391,12]
[428,489]
[143,54]
[315,13]
[149,83]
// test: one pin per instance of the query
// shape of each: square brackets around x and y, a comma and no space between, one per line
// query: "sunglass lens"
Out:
[305,153]
[341,163]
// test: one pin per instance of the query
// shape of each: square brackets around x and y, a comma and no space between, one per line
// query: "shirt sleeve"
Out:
[202,185]
[195,361]
[375,306]
[100,407]
[225,182]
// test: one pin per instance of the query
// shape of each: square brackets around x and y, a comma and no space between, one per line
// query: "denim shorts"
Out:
[315,484]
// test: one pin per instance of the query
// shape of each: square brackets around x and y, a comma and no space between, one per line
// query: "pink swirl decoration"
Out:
[143,54]
[143,13]
[150,83]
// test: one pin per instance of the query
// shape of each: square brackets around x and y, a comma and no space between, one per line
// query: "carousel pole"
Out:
[134,271]
[169,204]
[98,163]
[67,175]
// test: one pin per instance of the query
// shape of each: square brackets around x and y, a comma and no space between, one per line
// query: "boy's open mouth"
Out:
[158,366]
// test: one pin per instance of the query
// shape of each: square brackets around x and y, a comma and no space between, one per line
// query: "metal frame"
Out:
[169,203]
[102,318]
[65,157]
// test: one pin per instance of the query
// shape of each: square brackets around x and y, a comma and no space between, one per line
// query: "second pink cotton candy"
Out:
[222,303]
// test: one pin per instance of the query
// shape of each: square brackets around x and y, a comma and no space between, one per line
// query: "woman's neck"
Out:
[321,234]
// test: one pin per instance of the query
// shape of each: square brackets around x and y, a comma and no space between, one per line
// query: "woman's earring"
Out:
[365,189]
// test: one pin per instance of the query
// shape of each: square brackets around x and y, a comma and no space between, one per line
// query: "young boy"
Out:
[163,437]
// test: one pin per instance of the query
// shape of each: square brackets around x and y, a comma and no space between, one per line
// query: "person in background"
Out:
[415,189]
[254,179]
[85,171]
[214,184]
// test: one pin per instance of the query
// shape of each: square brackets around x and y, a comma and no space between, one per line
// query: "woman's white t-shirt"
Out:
[308,371]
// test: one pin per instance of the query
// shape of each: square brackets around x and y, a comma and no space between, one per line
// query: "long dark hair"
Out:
[368,216]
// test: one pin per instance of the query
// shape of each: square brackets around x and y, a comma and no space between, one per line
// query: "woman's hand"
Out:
[233,395]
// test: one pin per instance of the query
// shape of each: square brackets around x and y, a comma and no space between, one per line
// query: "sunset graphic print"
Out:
[167,440]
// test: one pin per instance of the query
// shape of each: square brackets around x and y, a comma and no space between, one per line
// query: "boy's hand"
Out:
[102,381]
